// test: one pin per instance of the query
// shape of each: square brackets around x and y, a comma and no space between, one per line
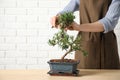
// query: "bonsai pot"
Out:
[61,67]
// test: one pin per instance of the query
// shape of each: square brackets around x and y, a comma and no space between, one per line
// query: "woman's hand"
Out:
[53,21]
[73,26]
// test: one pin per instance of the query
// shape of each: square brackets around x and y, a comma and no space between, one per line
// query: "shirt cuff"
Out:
[105,24]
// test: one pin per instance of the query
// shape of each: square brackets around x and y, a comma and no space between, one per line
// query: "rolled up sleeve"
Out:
[111,18]
[72,6]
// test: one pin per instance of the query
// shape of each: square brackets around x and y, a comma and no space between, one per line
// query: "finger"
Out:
[70,28]
[58,26]
[52,21]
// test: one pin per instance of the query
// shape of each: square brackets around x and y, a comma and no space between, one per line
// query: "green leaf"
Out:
[85,53]
[51,42]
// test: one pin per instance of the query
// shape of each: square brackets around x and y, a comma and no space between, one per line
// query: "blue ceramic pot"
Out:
[63,67]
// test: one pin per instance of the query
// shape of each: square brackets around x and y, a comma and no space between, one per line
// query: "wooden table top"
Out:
[85,74]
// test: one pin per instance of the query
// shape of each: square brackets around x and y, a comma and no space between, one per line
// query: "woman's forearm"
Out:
[91,27]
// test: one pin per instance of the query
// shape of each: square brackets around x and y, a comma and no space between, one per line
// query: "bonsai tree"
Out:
[62,39]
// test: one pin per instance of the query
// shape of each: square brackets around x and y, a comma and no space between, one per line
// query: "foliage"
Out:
[62,39]
[65,19]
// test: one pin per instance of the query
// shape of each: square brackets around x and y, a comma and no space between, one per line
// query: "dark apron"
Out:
[102,48]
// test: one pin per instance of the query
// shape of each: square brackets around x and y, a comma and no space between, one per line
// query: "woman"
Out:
[98,18]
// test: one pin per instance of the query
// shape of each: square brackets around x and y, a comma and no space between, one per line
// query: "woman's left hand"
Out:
[73,26]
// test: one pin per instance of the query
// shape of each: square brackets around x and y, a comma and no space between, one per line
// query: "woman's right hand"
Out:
[53,21]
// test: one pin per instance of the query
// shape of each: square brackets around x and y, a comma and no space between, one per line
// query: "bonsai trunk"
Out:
[70,50]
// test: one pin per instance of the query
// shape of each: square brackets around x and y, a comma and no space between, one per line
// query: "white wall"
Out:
[25,30]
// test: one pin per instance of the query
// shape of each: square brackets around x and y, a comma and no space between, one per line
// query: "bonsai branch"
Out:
[70,50]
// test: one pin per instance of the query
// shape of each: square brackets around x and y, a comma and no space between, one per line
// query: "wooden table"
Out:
[85,74]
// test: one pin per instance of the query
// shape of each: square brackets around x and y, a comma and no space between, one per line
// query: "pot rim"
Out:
[77,62]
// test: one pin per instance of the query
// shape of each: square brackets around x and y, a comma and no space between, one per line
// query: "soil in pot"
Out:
[64,60]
